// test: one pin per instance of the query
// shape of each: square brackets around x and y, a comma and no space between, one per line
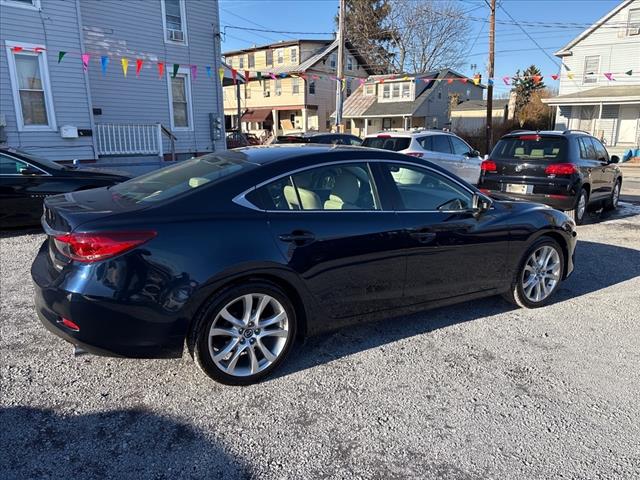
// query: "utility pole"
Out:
[492,42]
[340,71]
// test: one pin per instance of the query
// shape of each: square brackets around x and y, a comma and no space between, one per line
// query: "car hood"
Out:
[99,172]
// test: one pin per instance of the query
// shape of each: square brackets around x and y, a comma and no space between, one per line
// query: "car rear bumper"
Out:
[559,202]
[106,327]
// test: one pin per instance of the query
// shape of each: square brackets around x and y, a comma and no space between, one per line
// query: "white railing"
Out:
[132,139]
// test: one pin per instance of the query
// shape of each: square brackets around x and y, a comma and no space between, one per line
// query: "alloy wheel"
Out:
[616,195]
[541,273]
[582,206]
[248,334]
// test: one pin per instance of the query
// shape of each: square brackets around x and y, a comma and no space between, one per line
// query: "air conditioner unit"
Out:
[176,35]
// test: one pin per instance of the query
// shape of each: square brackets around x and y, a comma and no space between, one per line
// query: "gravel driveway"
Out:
[479,390]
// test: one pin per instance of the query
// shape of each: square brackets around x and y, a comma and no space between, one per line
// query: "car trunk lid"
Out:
[527,155]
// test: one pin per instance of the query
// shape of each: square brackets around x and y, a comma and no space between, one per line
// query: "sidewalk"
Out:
[630,182]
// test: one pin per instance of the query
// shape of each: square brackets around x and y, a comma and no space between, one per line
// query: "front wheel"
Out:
[244,333]
[539,275]
[612,202]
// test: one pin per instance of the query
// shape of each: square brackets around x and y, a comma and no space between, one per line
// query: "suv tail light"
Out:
[93,247]
[414,154]
[561,169]
[489,166]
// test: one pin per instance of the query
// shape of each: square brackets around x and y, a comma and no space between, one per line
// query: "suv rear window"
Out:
[531,147]
[185,176]
[387,143]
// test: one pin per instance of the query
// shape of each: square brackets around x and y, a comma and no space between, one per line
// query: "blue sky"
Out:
[317,16]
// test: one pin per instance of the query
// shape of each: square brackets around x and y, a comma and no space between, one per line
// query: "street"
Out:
[478,390]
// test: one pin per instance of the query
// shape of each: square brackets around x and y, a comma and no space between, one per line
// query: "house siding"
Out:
[56,27]
[137,32]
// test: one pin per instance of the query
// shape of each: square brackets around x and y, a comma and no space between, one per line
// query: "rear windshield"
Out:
[185,176]
[292,139]
[530,147]
[387,143]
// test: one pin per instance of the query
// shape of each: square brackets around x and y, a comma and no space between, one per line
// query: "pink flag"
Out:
[555,76]
[609,75]
[272,75]
[194,72]
[85,61]
[506,80]
[361,80]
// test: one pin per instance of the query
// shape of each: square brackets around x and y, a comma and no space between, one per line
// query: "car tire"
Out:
[523,288]
[580,209]
[238,348]
[612,201]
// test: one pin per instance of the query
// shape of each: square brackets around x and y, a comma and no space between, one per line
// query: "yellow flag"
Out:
[570,75]
[476,81]
[221,73]
[125,65]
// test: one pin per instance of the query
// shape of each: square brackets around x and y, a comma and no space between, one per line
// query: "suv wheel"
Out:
[244,333]
[579,211]
[612,202]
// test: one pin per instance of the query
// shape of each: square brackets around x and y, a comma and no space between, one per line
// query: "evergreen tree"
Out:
[525,84]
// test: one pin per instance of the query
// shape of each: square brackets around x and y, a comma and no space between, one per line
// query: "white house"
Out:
[600,80]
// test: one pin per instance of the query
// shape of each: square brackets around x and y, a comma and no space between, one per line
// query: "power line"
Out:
[276,31]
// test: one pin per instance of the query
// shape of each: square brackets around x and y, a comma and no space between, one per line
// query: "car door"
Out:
[592,167]
[20,192]
[342,244]
[443,154]
[451,251]
[469,164]
[608,171]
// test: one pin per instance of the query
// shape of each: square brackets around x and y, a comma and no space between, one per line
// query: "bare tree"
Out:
[426,35]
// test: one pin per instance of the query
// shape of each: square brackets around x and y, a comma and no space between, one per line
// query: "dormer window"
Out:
[406,90]
[386,91]
[369,90]
[294,55]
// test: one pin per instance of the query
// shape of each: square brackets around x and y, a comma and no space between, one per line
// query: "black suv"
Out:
[568,170]
[315,137]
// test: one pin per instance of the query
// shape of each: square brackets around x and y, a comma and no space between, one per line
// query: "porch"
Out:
[365,126]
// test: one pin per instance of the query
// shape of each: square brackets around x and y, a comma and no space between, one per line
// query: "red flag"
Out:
[449,80]
[537,79]
[234,74]
[160,69]
[139,63]
[247,74]
[464,80]
[555,77]
[17,49]
[39,49]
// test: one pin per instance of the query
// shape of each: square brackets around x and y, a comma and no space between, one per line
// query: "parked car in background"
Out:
[236,139]
[25,180]
[569,170]
[315,137]
[228,253]
[443,148]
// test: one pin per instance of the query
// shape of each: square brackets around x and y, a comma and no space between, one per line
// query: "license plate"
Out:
[517,188]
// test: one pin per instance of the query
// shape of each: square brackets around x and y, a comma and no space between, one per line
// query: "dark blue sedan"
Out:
[237,254]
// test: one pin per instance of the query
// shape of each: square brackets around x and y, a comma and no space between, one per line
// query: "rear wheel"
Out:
[245,333]
[580,209]
[612,202]
[538,276]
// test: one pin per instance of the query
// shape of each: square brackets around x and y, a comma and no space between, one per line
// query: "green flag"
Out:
[61,56]
[176,67]
[629,72]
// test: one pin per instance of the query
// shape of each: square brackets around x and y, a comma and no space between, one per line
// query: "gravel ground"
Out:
[479,390]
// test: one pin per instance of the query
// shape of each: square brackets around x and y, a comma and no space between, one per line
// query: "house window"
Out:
[240,62]
[395,93]
[591,67]
[370,90]
[174,17]
[247,89]
[278,87]
[349,63]
[348,87]
[294,55]
[31,4]
[31,89]
[332,60]
[280,56]
[634,22]
[295,86]
[386,91]
[252,60]
[266,88]
[269,58]
[180,98]
[312,87]
[406,90]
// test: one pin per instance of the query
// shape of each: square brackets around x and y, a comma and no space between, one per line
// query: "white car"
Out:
[442,148]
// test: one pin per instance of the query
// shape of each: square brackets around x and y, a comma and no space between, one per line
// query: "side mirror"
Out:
[30,171]
[474,153]
[480,203]
[614,159]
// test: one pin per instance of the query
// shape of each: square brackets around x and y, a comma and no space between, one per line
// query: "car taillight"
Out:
[93,247]
[414,154]
[489,166]
[535,138]
[561,169]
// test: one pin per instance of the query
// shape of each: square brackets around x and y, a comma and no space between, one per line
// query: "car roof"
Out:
[547,133]
[409,134]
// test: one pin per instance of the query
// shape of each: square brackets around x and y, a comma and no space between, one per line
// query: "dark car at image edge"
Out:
[26,179]
[569,170]
[239,253]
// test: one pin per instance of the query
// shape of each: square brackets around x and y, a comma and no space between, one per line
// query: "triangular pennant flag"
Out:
[629,72]
[303,76]
[449,81]
[315,77]
[176,67]
[272,75]
[221,74]
[490,81]
[160,69]
[361,80]
[16,49]
[259,75]
[247,74]
[609,75]
[194,72]
[344,83]
[139,63]
[406,77]
[464,80]
[570,75]
[125,65]
[61,56]
[234,75]
[506,79]
[536,79]
[555,77]
[283,75]
[382,80]
[208,69]
[104,61]
[85,61]
[39,49]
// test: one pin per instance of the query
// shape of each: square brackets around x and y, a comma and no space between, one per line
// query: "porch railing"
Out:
[122,139]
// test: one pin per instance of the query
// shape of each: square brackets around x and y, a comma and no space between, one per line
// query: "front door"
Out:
[330,227]
[450,251]
[629,124]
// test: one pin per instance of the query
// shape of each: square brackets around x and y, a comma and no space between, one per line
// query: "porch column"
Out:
[276,122]
[305,120]
[599,121]
[366,126]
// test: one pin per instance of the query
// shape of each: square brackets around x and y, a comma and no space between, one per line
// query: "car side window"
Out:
[587,150]
[601,152]
[354,141]
[459,147]
[420,189]
[11,166]
[441,144]
[426,142]
[331,187]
